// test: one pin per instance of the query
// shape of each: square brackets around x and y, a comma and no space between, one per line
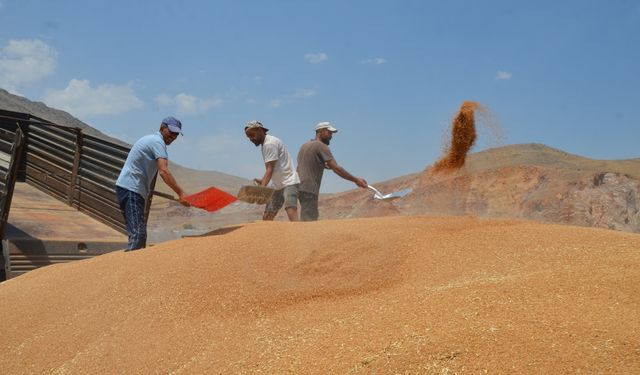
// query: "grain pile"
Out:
[463,137]
[408,295]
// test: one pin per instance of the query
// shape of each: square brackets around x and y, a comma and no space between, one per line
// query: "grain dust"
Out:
[463,137]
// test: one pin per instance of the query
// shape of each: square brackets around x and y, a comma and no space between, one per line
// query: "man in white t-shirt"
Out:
[279,171]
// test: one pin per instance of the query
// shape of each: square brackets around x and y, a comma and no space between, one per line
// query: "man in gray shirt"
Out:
[313,158]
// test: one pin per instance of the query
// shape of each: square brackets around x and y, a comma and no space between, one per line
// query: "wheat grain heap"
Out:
[408,295]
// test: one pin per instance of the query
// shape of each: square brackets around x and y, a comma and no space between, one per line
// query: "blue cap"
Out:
[173,124]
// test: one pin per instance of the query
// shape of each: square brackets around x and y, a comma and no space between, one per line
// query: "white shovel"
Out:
[398,194]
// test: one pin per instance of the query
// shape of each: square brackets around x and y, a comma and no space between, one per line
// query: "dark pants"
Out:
[308,206]
[132,207]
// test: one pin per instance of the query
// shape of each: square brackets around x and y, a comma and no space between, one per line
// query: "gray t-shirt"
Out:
[311,161]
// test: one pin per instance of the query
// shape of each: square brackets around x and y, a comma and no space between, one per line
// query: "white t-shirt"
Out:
[284,174]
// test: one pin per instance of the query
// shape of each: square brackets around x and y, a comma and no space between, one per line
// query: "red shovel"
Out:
[210,199]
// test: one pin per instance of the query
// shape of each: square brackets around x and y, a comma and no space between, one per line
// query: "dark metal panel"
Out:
[6,140]
[100,166]
[107,168]
[22,117]
[49,178]
[49,186]
[99,207]
[105,147]
[51,150]
[9,180]
[94,172]
[9,174]
[100,192]
[50,130]
[27,254]
[76,166]
[52,168]
[62,139]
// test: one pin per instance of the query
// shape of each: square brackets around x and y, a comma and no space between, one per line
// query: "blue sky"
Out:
[388,74]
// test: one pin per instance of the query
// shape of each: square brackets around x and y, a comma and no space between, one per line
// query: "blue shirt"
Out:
[141,164]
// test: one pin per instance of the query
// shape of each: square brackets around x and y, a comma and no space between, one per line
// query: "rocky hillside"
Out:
[529,181]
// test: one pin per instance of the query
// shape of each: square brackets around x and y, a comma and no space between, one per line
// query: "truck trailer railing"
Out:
[73,167]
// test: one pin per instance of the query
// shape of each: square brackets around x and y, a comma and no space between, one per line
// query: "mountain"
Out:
[17,103]
[530,181]
[193,180]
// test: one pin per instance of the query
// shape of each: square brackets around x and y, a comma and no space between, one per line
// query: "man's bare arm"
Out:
[269,166]
[332,164]
[167,177]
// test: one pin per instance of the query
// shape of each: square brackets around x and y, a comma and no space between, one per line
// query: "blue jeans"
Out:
[132,207]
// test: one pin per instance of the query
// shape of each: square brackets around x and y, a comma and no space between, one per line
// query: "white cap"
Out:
[254,124]
[326,125]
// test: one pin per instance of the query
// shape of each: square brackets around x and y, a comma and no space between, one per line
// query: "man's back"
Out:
[283,173]
[141,165]
[311,164]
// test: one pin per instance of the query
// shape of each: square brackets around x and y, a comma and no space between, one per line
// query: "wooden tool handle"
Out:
[164,195]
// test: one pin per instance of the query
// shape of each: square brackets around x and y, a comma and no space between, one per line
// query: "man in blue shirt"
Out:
[147,157]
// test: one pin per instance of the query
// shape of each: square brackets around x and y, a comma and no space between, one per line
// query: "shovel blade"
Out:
[255,194]
[398,194]
[210,199]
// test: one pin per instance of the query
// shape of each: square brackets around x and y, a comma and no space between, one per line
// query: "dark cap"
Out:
[173,124]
